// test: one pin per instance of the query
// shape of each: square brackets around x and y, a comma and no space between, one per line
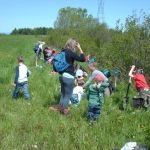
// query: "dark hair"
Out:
[20,58]
[82,69]
[80,82]
[139,71]
[76,67]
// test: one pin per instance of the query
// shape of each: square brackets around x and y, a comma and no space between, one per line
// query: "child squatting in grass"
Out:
[21,78]
[95,96]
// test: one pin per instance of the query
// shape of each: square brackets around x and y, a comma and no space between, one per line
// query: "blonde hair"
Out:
[71,44]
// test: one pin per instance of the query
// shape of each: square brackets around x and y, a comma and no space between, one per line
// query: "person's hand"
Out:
[98,85]
[13,84]
[79,47]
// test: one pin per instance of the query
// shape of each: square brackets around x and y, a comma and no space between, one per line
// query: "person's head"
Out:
[98,78]
[92,66]
[71,44]
[79,74]
[80,82]
[43,43]
[48,47]
[139,71]
[20,59]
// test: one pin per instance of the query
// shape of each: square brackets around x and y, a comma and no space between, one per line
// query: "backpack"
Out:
[106,72]
[36,47]
[59,62]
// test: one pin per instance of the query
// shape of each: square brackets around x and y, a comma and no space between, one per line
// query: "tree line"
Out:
[120,47]
[29,31]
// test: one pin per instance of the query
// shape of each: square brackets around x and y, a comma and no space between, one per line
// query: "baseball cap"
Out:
[99,78]
[79,72]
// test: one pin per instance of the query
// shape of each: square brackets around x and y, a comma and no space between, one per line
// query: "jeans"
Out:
[94,111]
[23,85]
[38,54]
[67,85]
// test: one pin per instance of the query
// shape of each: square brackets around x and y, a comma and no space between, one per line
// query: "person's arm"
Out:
[131,70]
[17,76]
[80,58]
[28,73]
[90,79]
[104,84]
[87,93]
[101,86]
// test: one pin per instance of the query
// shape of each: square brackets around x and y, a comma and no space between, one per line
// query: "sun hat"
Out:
[99,78]
[79,73]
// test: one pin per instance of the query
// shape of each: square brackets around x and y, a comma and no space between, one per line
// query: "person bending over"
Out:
[94,72]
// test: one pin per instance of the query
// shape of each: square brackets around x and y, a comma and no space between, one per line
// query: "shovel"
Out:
[116,72]
[126,98]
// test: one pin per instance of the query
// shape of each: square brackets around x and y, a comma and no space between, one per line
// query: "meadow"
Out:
[30,125]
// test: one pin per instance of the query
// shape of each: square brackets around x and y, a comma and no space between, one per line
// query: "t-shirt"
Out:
[93,75]
[140,82]
[47,54]
[78,90]
[22,74]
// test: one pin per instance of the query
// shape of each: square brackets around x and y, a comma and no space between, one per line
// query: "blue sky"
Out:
[43,13]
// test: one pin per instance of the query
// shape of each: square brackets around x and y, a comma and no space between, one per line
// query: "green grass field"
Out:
[25,126]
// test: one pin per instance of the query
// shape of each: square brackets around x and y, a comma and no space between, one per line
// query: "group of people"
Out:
[47,52]
[72,81]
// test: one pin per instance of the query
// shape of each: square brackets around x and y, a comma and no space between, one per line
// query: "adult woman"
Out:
[67,78]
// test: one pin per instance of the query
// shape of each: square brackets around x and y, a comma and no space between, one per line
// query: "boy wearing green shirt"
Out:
[95,96]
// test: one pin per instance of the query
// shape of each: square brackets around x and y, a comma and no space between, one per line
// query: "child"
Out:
[77,92]
[78,76]
[21,80]
[95,96]
[140,85]
[47,54]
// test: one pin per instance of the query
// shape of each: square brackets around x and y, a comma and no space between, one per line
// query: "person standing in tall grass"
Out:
[95,96]
[21,79]
[67,78]
[38,52]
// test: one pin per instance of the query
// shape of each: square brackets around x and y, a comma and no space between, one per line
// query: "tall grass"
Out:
[29,126]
